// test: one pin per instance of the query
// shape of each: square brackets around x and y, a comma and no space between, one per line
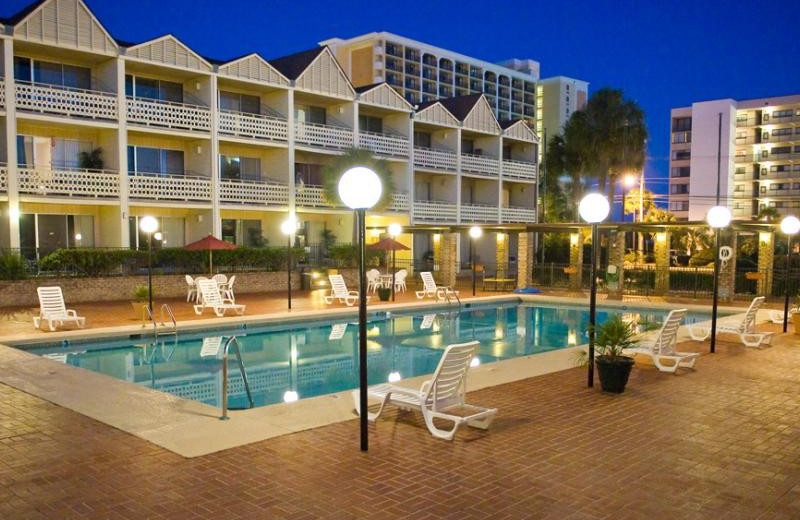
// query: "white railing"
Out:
[512,214]
[2,92]
[324,136]
[519,170]
[434,159]
[255,126]
[311,197]
[69,183]
[478,213]
[66,101]
[3,178]
[253,192]
[168,114]
[170,187]
[480,164]
[779,138]
[399,201]
[384,144]
[435,211]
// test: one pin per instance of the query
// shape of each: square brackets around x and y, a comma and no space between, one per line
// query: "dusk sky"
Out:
[661,56]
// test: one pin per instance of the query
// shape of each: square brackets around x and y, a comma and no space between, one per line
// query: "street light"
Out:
[474,233]
[394,231]
[288,228]
[360,189]
[717,217]
[789,226]
[593,208]
[149,225]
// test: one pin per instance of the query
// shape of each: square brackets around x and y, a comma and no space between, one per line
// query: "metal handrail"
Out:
[232,341]
[171,316]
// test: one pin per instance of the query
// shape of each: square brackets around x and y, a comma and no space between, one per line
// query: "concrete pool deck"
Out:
[192,429]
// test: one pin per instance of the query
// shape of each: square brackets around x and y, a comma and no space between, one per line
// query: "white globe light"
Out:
[78,236]
[394,377]
[790,225]
[718,217]
[148,224]
[593,208]
[395,229]
[158,235]
[290,396]
[289,226]
[475,232]
[360,188]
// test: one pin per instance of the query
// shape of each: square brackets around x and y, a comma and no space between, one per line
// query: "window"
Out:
[172,231]
[682,137]
[50,232]
[739,188]
[239,168]
[680,205]
[242,232]
[681,124]
[467,146]
[370,124]
[783,113]
[50,152]
[678,189]
[680,171]
[156,161]
[422,139]
[782,131]
[235,102]
[310,114]
[681,155]
[50,73]
[149,88]
[739,170]
[308,174]
[781,150]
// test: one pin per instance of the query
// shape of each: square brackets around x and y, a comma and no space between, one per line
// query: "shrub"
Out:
[141,293]
[12,267]
[87,262]
[702,258]
[346,255]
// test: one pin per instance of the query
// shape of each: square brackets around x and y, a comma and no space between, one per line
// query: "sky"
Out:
[661,54]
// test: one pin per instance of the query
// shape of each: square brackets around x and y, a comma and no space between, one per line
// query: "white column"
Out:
[356,129]
[122,154]
[458,175]
[290,121]
[216,217]
[11,144]
[500,178]
[410,168]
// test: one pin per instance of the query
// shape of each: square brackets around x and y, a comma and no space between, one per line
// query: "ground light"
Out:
[717,217]
[475,233]
[394,231]
[360,189]
[149,225]
[789,226]
[593,208]
[288,228]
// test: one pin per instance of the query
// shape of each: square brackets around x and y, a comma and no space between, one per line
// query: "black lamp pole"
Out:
[715,297]
[289,269]
[150,270]
[592,306]
[786,283]
[362,329]
[472,261]
[393,272]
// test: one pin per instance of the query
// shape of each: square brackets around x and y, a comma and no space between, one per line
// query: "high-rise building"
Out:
[756,145]
[557,99]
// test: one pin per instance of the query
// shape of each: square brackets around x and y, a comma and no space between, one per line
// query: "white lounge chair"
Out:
[191,289]
[337,331]
[442,394]
[777,316]
[211,298]
[431,290]
[53,310]
[743,325]
[339,291]
[427,321]
[662,347]
[227,289]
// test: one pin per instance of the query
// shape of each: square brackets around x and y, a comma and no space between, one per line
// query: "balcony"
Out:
[310,196]
[519,170]
[785,174]
[3,178]
[777,120]
[399,202]
[480,165]
[778,138]
[170,187]
[384,144]
[743,158]
[249,192]
[167,114]
[513,214]
[69,182]
[64,101]
[435,211]
[253,126]
[2,92]
[434,159]
[479,213]
[323,136]
[779,157]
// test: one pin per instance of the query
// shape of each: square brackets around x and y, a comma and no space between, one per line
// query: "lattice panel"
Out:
[169,115]
[311,197]
[253,192]
[66,101]
[486,166]
[478,213]
[69,183]
[3,179]
[253,126]
[170,188]
[519,170]
[430,211]
[399,201]
[384,144]
[324,136]
[434,159]
[518,215]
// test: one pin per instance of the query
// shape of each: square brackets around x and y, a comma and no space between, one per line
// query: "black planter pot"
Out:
[384,293]
[614,372]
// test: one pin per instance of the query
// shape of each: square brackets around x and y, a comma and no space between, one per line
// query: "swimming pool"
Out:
[311,358]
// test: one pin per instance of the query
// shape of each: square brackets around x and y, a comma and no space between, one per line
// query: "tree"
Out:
[349,159]
[648,202]
[768,214]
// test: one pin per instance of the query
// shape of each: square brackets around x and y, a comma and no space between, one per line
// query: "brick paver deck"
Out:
[722,442]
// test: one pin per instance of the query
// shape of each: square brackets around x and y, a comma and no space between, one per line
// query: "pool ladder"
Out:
[163,329]
[235,342]
[450,293]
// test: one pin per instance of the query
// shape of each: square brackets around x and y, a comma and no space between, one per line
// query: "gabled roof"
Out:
[253,67]
[17,17]
[518,129]
[169,50]
[461,106]
[367,88]
[505,123]
[381,94]
[293,65]
[435,112]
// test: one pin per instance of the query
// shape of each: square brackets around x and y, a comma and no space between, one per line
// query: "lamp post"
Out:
[288,228]
[474,233]
[593,208]
[394,232]
[789,226]
[360,189]
[717,217]
[149,225]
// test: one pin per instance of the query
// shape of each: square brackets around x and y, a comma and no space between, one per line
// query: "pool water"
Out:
[307,359]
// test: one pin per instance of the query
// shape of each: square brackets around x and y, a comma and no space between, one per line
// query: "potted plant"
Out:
[384,293]
[613,366]
[141,297]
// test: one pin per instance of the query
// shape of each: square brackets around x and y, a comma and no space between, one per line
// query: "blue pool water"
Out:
[316,358]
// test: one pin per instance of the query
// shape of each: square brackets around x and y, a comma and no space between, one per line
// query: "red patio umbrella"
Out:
[209,243]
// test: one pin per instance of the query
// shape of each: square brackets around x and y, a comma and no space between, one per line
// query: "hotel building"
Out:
[759,154]
[100,132]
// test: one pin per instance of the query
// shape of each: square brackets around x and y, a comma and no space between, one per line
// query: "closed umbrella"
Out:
[210,244]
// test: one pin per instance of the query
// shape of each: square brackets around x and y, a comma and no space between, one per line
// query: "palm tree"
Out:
[768,214]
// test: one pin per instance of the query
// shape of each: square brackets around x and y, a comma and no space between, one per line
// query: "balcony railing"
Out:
[69,182]
[749,121]
[323,136]
[772,138]
[250,192]
[519,170]
[743,158]
[255,126]
[480,164]
[785,174]
[309,196]
[399,201]
[170,187]
[479,213]
[65,101]
[773,120]
[781,156]
[434,159]
[384,144]
[514,214]
[167,114]
[3,178]
[2,92]
[435,211]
